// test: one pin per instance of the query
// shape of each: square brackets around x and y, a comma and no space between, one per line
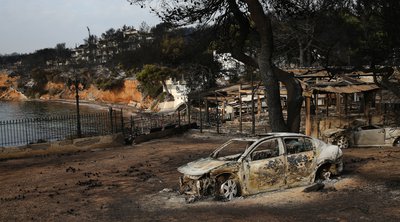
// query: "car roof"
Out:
[264,135]
[280,134]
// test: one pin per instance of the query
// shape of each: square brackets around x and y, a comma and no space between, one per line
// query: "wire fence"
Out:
[53,128]
[65,127]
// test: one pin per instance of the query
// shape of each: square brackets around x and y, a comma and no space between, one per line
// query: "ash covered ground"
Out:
[140,183]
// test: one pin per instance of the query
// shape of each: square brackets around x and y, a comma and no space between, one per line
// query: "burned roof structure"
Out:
[343,84]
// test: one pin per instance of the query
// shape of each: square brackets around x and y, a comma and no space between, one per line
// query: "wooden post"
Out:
[141,125]
[365,102]
[217,117]
[258,105]
[201,117]
[253,117]
[207,113]
[78,116]
[110,110]
[179,118]
[240,110]
[327,104]
[346,111]
[188,112]
[379,108]
[122,123]
[223,111]
[308,116]
[338,104]
[351,102]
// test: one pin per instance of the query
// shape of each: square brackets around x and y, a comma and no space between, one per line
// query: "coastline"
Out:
[97,105]
[128,98]
[101,106]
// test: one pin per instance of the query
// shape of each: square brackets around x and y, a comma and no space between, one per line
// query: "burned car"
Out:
[247,166]
[364,136]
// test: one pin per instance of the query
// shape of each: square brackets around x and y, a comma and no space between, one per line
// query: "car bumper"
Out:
[195,186]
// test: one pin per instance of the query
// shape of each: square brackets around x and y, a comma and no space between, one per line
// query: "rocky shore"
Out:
[128,97]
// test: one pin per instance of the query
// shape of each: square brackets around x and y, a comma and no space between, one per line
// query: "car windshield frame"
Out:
[250,141]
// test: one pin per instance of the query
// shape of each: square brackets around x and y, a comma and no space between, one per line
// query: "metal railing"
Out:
[147,123]
[53,128]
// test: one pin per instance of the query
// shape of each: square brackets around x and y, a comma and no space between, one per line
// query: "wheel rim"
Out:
[343,143]
[397,143]
[229,189]
[326,175]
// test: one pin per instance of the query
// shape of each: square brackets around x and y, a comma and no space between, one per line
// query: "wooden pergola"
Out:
[343,86]
[230,95]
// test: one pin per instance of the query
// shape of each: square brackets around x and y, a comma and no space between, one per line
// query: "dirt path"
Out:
[139,183]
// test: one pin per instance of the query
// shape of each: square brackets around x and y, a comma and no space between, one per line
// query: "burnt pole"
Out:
[78,116]
[253,117]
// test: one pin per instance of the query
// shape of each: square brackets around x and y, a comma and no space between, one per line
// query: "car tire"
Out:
[323,174]
[229,189]
[396,143]
[342,142]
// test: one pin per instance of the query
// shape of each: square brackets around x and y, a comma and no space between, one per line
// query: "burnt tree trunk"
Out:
[272,75]
[168,96]
[384,78]
[301,54]
[294,98]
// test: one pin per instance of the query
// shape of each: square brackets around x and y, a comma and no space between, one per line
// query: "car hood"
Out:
[327,152]
[200,166]
[330,132]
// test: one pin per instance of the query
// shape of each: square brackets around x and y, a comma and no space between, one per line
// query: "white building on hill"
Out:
[179,91]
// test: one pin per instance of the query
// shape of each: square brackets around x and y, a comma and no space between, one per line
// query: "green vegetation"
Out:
[40,80]
[152,79]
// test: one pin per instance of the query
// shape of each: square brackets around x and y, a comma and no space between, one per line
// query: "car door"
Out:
[369,136]
[300,161]
[264,167]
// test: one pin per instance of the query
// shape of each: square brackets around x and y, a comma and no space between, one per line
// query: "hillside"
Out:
[8,88]
[126,95]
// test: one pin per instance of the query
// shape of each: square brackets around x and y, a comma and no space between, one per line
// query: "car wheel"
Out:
[229,189]
[323,174]
[397,143]
[342,142]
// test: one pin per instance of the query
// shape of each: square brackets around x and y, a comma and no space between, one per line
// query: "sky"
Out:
[29,25]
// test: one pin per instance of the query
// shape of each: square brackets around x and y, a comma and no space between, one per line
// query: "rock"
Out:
[166,190]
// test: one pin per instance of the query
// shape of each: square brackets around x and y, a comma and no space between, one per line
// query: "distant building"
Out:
[179,91]
[104,49]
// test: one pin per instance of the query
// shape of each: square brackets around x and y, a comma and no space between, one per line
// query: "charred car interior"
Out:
[248,166]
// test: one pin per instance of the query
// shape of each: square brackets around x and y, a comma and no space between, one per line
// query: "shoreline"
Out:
[92,104]
[130,110]
[99,105]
